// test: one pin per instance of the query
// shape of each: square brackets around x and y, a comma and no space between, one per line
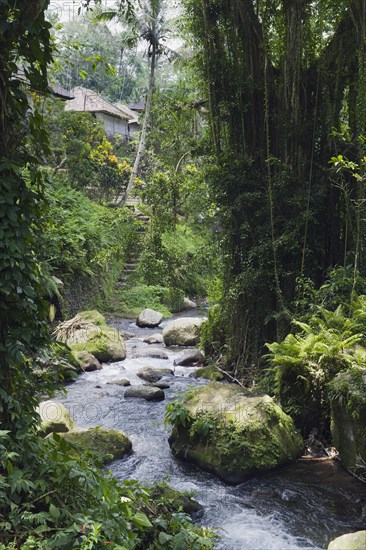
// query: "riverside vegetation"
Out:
[254,204]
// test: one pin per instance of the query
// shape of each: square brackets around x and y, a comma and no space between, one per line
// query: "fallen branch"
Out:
[232,378]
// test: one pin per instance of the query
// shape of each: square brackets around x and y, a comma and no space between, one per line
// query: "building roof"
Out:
[139,107]
[88,101]
[133,115]
[60,92]
[53,88]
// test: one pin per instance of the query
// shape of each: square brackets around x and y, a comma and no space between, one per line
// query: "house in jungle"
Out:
[116,120]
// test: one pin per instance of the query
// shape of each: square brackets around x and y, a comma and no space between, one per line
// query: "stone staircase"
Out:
[132,260]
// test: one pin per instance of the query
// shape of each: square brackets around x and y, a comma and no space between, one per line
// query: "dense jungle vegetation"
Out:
[250,168]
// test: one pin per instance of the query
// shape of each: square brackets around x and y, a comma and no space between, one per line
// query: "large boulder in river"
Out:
[351,541]
[88,331]
[153,375]
[189,304]
[227,431]
[54,417]
[154,339]
[189,357]
[149,318]
[348,416]
[149,393]
[87,361]
[183,332]
[109,444]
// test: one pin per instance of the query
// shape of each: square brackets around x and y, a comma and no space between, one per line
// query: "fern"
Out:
[304,363]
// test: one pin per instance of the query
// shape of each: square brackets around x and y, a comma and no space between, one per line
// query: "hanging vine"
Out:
[282,73]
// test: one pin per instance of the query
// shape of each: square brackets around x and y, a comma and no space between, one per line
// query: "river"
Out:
[301,506]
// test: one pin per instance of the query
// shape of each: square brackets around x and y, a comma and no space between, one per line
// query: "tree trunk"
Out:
[142,142]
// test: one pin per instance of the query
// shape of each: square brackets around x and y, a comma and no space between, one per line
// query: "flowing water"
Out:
[300,506]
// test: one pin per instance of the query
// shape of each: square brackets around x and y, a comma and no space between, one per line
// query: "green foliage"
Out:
[61,501]
[213,334]
[25,36]
[341,285]
[79,146]
[177,414]
[305,362]
[282,212]
[92,55]
[86,244]
[131,301]
[81,235]
[348,388]
[182,259]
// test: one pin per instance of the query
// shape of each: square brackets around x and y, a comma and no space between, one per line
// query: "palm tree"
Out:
[151,29]
[150,25]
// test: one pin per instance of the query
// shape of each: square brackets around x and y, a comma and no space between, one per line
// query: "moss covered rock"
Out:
[351,541]
[225,430]
[211,373]
[109,444]
[183,332]
[87,361]
[348,417]
[54,417]
[88,332]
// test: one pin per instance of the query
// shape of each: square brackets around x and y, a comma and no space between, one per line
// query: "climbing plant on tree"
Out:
[24,44]
[280,76]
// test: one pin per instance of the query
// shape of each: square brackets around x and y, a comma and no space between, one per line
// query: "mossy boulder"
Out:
[228,431]
[210,372]
[351,541]
[88,332]
[183,332]
[348,417]
[54,417]
[108,444]
[87,361]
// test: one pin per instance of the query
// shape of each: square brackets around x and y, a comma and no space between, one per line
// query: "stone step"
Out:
[121,284]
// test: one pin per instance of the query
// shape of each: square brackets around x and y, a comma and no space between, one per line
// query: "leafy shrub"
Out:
[85,241]
[181,259]
[305,362]
[59,501]
[213,336]
[133,300]
[341,286]
[176,414]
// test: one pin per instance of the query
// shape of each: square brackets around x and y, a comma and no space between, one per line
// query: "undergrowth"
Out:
[57,500]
